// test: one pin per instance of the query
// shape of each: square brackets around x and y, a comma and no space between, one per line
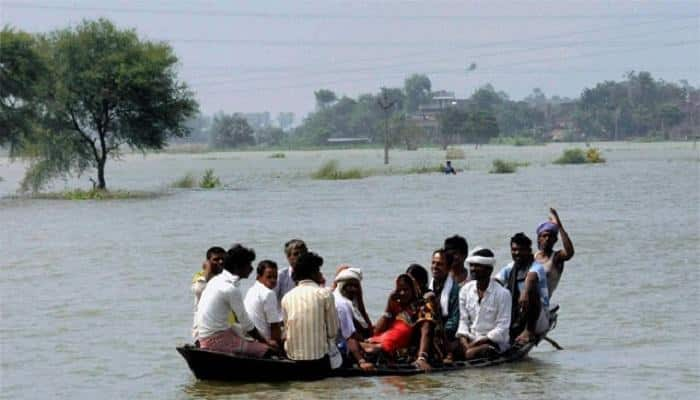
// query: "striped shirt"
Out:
[310,321]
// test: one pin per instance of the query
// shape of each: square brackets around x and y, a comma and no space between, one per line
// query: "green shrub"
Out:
[503,167]
[572,156]
[330,171]
[593,156]
[209,180]
[454,153]
[277,155]
[187,181]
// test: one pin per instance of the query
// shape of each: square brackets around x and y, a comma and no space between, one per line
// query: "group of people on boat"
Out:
[457,311]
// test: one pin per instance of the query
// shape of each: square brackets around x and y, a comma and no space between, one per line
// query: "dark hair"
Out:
[265,264]
[307,266]
[238,256]
[294,244]
[457,243]
[418,273]
[215,250]
[484,253]
[521,240]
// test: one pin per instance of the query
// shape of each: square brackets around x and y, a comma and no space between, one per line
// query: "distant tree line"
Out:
[639,106]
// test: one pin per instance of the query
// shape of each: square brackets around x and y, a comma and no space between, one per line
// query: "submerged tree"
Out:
[229,131]
[105,89]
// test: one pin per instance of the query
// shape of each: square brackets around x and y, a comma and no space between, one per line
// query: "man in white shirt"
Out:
[484,309]
[293,249]
[261,302]
[222,296]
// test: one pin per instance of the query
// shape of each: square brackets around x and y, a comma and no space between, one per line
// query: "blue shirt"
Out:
[504,275]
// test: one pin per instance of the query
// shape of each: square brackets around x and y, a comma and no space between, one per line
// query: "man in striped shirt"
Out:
[310,317]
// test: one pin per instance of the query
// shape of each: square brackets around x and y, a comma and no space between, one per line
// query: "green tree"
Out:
[105,89]
[270,135]
[482,127]
[454,124]
[324,98]
[417,89]
[228,131]
[21,69]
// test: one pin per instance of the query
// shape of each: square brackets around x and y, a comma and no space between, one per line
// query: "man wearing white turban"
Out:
[484,309]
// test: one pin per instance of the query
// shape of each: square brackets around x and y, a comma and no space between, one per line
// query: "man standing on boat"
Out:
[456,251]
[310,317]
[551,260]
[223,296]
[293,249]
[527,282]
[484,309]
[447,291]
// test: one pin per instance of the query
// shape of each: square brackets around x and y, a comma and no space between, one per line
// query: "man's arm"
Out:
[567,252]
[500,333]
[273,316]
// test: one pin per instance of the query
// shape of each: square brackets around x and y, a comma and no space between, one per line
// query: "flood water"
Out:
[95,294]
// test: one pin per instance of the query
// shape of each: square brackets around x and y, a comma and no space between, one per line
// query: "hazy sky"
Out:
[272,55]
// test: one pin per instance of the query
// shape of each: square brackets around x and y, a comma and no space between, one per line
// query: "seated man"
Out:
[261,302]
[347,290]
[447,292]
[293,249]
[456,251]
[222,296]
[484,309]
[310,317]
[553,260]
[211,267]
[527,283]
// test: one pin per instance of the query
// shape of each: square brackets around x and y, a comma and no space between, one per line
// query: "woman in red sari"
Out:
[405,315]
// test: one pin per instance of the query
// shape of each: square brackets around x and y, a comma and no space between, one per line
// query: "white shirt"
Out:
[262,307]
[343,307]
[489,318]
[221,296]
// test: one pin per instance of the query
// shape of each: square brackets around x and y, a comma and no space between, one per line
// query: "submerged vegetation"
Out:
[503,167]
[95,194]
[187,181]
[209,180]
[454,153]
[277,155]
[424,169]
[331,171]
[578,156]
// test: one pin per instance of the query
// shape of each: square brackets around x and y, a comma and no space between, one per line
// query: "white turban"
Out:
[349,273]
[476,259]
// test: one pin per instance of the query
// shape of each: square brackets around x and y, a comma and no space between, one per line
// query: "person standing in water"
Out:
[553,260]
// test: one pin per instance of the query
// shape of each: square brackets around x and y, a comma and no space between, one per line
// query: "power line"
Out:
[473,57]
[332,82]
[222,13]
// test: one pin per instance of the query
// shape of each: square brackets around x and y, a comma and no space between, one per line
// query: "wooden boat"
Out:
[211,365]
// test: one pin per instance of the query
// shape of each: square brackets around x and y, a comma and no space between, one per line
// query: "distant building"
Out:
[427,115]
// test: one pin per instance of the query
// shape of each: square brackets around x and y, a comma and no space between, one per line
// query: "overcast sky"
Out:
[271,55]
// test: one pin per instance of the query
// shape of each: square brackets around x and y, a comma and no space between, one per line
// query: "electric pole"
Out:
[385,103]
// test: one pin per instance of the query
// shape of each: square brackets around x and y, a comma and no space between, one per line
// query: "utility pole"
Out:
[385,103]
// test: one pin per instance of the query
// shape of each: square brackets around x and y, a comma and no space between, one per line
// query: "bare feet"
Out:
[525,337]
[422,364]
